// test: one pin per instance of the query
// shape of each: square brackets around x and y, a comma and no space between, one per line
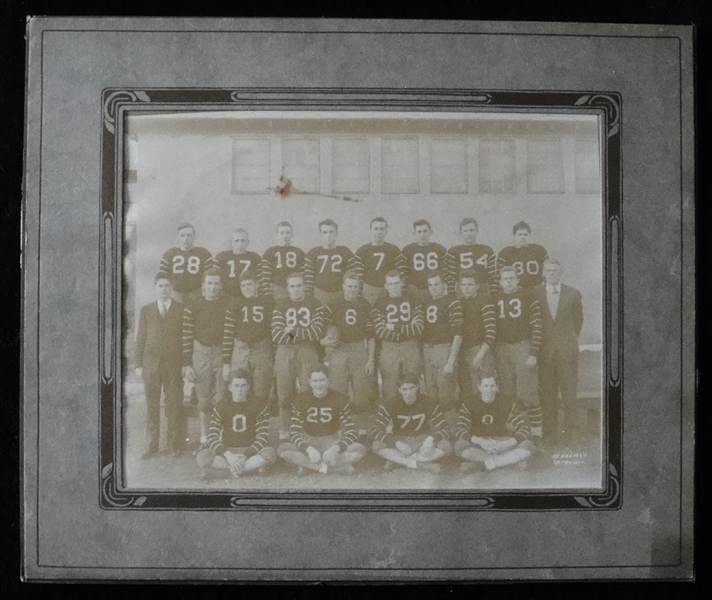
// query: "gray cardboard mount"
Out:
[68,536]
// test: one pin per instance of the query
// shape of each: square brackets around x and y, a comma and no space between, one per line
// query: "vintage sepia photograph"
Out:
[362,300]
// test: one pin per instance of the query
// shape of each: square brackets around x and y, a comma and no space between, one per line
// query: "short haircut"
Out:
[420,222]
[284,224]
[161,275]
[553,261]
[468,221]
[507,270]
[352,274]
[477,275]
[212,272]
[248,275]
[329,222]
[186,226]
[295,275]
[406,377]
[394,273]
[434,274]
[521,225]
[241,230]
[485,375]
[379,220]
[318,368]
[241,374]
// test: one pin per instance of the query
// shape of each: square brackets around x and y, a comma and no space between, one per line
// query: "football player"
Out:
[239,426]
[378,258]
[322,433]
[419,435]
[471,255]
[247,336]
[236,262]
[490,431]
[479,330]
[329,262]
[349,334]
[519,334]
[442,337]
[526,258]
[203,324]
[185,264]
[281,260]
[397,320]
[297,329]
[423,257]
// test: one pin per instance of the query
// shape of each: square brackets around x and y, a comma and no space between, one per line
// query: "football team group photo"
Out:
[409,345]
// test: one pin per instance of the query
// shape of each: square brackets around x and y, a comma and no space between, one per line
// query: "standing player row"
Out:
[325,265]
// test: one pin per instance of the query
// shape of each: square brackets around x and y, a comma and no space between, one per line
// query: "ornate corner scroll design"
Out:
[113,101]
[611,106]
[609,498]
[109,493]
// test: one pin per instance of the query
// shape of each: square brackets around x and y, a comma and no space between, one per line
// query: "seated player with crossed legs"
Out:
[420,433]
[322,432]
[491,432]
[239,426]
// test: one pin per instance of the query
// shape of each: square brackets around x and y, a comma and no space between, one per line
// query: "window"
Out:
[131,162]
[587,169]
[350,162]
[448,166]
[545,167]
[497,167]
[251,166]
[399,166]
[301,161]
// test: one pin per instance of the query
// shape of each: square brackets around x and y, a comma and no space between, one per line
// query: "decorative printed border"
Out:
[116,101]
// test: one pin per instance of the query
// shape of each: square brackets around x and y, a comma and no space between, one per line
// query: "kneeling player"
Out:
[237,438]
[420,433]
[490,431]
[322,432]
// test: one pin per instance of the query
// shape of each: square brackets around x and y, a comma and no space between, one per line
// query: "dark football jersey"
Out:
[185,267]
[421,260]
[306,317]
[443,320]
[376,261]
[352,318]
[204,322]
[320,417]
[329,265]
[280,261]
[420,418]
[404,312]
[239,425]
[527,260]
[233,266]
[250,319]
[518,317]
[479,322]
[477,257]
[497,419]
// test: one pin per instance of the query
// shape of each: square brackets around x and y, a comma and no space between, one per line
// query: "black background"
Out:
[13,14]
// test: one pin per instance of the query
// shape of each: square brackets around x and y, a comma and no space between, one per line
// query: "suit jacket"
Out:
[560,334]
[159,339]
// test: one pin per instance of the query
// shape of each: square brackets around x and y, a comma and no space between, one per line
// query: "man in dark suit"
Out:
[159,360]
[562,318]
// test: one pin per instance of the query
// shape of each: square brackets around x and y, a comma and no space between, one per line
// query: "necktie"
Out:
[162,309]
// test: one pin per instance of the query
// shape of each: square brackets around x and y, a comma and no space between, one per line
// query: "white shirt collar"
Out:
[553,288]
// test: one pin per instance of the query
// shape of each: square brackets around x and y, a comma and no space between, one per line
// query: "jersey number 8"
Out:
[179,265]
[303,314]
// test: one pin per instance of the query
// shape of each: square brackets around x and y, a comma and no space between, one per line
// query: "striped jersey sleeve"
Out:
[296,429]
[517,424]
[438,425]
[164,266]
[264,278]
[492,271]
[215,433]
[279,336]
[449,271]
[402,266]
[415,326]
[228,342]
[456,317]
[535,326]
[355,263]
[379,427]
[188,335]
[489,320]
[261,433]
[307,269]
[463,423]
[378,319]
[349,435]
